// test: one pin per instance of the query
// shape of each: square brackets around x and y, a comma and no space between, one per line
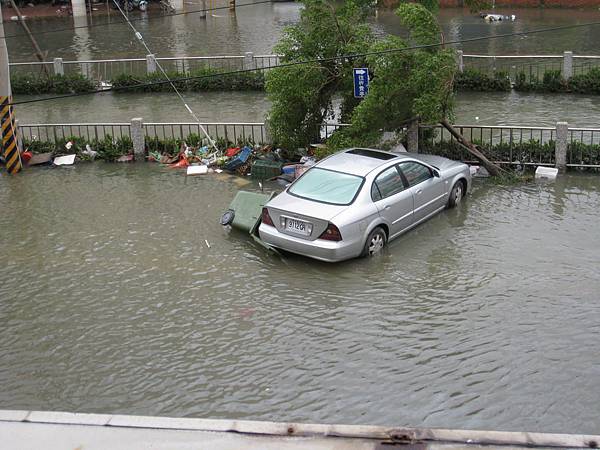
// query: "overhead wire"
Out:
[309,61]
[140,38]
[141,19]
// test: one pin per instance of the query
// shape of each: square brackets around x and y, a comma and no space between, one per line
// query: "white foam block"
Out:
[197,170]
[64,160]
[546,172]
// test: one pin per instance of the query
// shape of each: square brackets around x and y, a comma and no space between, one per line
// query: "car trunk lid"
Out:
[302,218]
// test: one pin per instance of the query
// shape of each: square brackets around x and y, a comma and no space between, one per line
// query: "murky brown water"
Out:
[483,317]
[257,28]
[472,108]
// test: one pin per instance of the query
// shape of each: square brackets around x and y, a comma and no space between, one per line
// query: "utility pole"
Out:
[8,130]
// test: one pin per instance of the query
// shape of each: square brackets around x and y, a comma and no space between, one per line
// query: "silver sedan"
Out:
[355,201]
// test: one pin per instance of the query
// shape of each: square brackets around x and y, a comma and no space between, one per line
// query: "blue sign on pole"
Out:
[361,82]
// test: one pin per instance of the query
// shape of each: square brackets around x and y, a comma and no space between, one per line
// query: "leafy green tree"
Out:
[302,95]
[411,78]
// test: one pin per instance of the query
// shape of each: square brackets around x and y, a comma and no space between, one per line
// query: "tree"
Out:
[415,83]
[406,84]
[302,95]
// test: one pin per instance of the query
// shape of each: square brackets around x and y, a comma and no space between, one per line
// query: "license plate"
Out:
[298,227]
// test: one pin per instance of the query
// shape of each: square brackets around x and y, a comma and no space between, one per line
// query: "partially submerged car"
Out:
[355,201]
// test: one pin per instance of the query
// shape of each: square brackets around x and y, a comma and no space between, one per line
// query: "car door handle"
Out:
[419,191]
[386,207]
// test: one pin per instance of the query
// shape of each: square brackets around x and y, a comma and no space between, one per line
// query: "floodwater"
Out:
[256,27]
[472,108]
[111,301]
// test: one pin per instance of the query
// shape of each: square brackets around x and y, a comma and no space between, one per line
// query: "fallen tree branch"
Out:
[493,169]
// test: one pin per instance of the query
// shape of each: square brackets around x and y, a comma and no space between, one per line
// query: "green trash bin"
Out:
[247,209]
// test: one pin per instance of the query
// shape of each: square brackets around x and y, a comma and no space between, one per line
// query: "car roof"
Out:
[360,161]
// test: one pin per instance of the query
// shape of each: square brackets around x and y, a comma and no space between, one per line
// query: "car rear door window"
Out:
[415,173]
[387,183]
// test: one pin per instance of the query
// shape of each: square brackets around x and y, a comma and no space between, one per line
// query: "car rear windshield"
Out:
[327,186]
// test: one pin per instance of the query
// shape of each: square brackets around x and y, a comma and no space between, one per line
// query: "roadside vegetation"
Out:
[111,148]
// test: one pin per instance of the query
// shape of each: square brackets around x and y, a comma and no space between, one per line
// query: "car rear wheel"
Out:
[375,242]
[456,195]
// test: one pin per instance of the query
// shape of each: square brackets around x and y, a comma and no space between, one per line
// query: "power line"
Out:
[311,61]
[95,25]
[139,36]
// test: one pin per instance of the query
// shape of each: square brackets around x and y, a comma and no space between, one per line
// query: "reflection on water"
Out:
[257,28]
[110,301]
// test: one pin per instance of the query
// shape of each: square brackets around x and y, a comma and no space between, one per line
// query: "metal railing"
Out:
[58,132]
[533,66]
[504,144]
[232,132]
[107,69]
[528,146]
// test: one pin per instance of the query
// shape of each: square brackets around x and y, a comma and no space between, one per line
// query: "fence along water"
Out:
[559,146]
[533,66]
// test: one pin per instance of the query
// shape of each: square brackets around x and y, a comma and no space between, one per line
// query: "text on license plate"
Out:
[298,226]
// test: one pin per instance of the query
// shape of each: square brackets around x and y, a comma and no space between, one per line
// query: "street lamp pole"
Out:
[8,132]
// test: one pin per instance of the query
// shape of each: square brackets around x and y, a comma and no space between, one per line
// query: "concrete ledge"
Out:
[68,418]
[40,423]
[13,415]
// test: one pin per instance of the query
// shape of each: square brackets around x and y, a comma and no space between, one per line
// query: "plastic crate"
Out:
[263,169]
[239,159]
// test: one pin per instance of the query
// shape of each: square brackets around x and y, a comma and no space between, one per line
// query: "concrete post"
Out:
[567,71]
[150,64]
[59,68]
[203,10]
[560,146]
[249,61]
[78,7]
[461,64]
[138,138]
[413,137]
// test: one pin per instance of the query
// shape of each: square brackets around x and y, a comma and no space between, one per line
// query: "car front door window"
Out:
[415,173]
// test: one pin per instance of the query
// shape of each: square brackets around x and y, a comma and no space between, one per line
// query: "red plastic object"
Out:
[231,152]
[182,163]
[26,156]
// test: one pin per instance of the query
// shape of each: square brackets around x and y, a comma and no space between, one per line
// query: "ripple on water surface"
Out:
[483,317]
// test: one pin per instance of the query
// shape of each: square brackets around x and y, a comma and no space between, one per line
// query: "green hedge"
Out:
[245,81]
[474,80]
[469,80]
[53,84]
[108,149]
[532,151]
[552,81]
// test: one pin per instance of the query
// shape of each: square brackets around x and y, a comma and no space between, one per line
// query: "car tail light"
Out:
[266,218]
[332,233]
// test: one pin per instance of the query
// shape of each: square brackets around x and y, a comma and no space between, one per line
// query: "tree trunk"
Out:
[492,168]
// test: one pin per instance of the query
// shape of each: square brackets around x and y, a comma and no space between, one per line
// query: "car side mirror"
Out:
[436,173]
